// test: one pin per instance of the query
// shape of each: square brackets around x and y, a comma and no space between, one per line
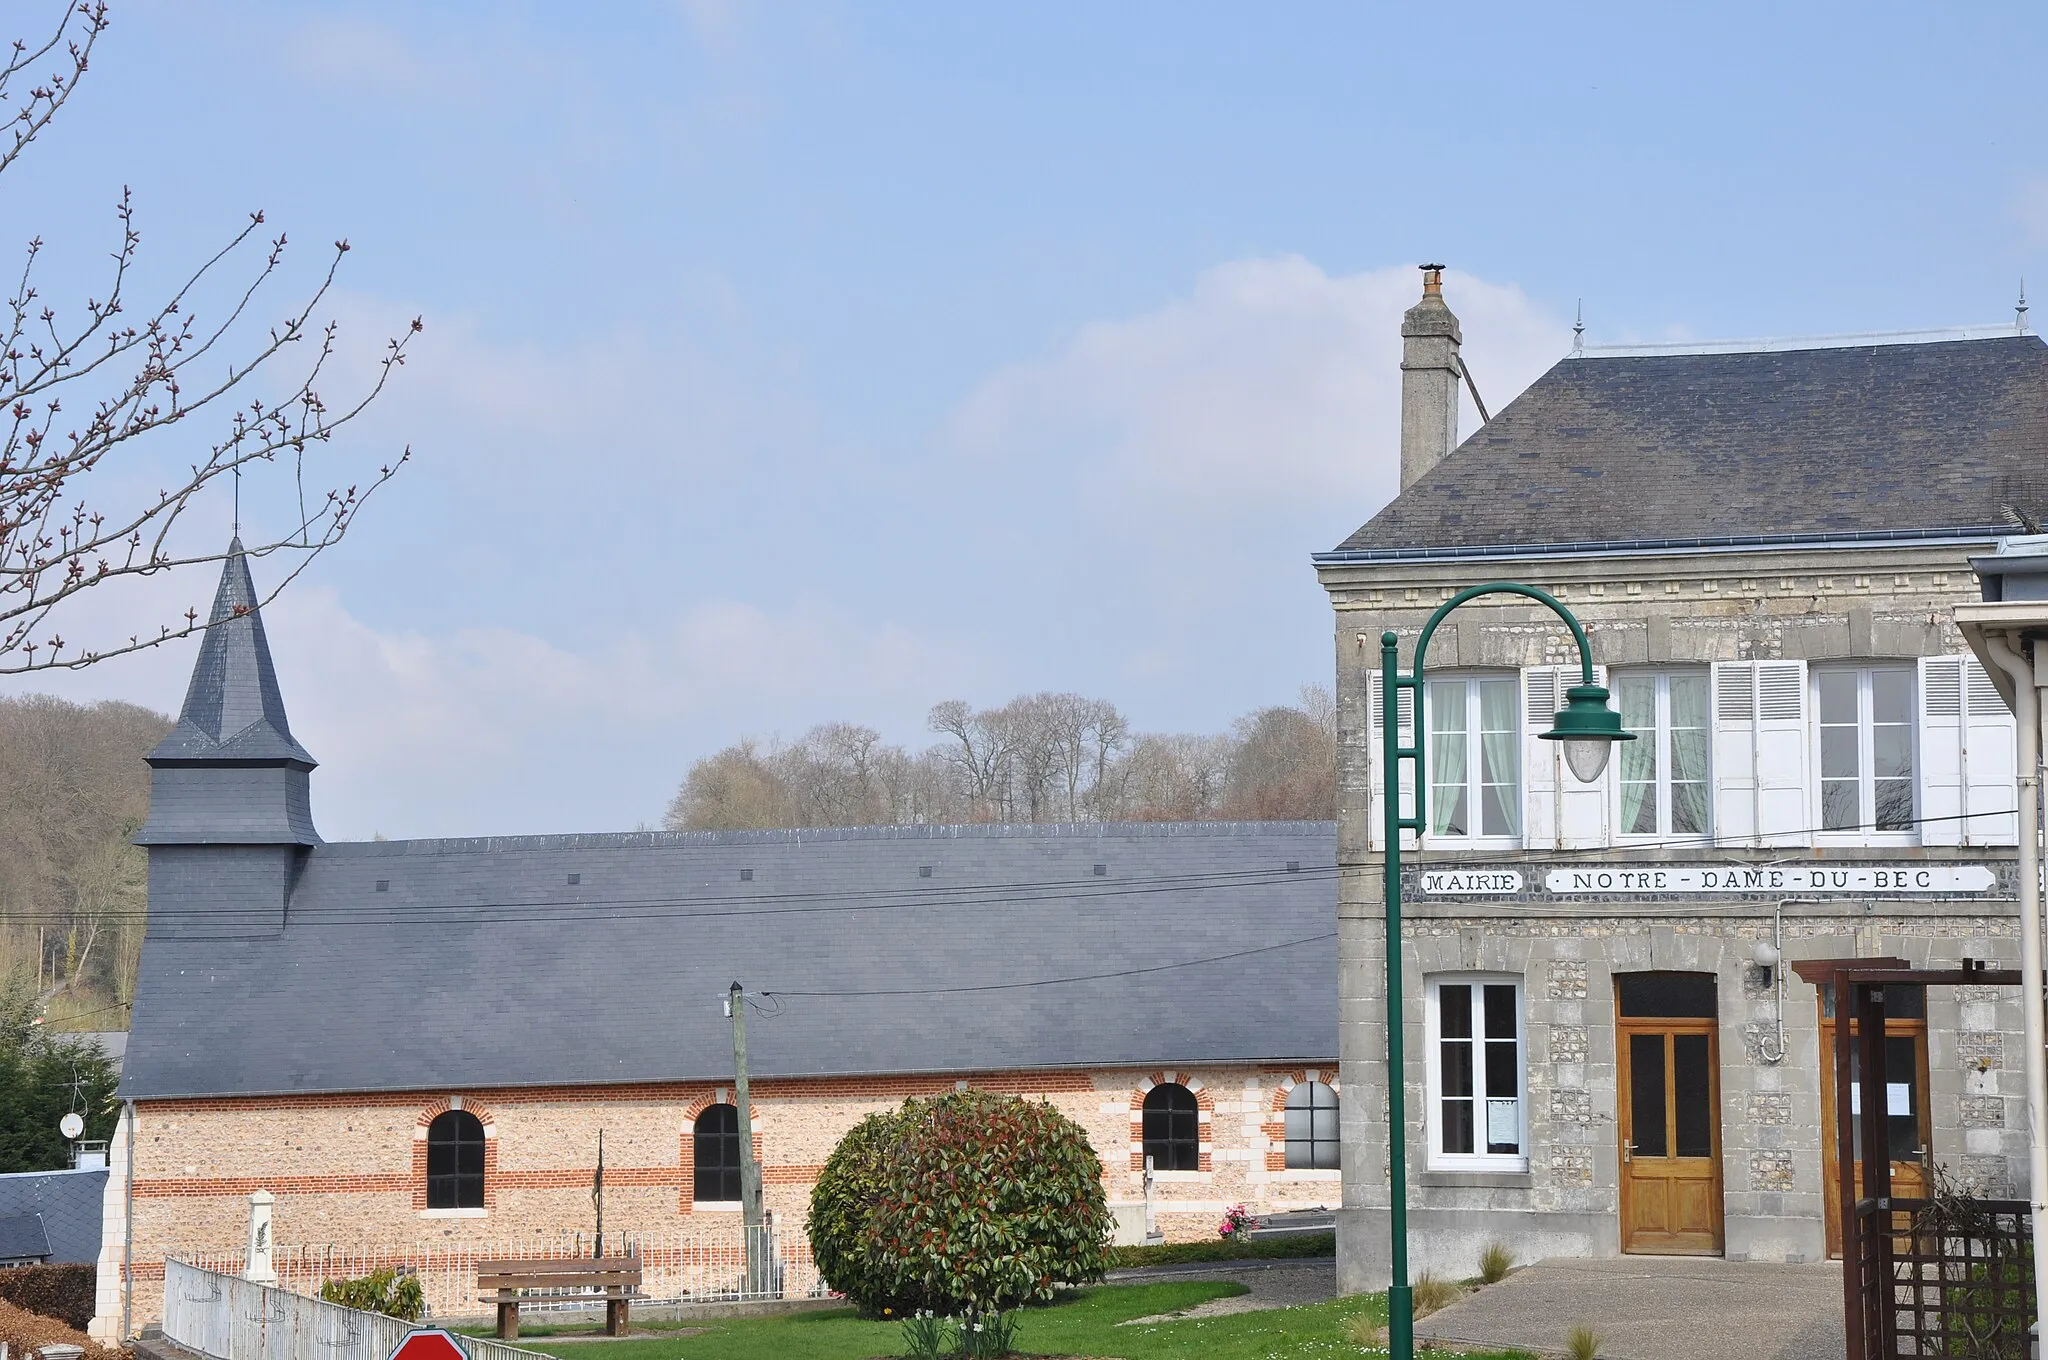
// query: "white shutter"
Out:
[1781,747]
[1375,741]
[1966,760]
[1559,813]
[1939,760]
[1760,752]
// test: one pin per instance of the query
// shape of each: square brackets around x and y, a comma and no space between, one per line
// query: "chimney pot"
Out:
[1432,280]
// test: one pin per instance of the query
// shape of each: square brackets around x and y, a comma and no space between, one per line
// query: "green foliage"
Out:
[926,1336]
[1495,1262]
[64,1292]
[1290,1248]
[961,1203]
[985,1336]
[381,1291]
[1583,1343]
[43,1077]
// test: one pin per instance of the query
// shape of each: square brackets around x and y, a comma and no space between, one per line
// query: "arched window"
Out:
[455,1161]
[1171,1123]
[716,1154]
[1312,1127]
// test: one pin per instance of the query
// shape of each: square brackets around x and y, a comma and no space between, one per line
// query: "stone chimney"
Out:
[1429,380]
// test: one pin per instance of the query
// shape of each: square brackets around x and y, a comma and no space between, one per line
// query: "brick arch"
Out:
[686,1161]
[1205,1104]
[1275,1127]
[428,1114]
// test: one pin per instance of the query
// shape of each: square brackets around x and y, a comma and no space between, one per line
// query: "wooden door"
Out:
[1670,1118]
[1908,1122]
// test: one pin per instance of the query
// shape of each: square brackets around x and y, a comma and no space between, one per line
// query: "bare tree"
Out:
[731,790]
[132,372]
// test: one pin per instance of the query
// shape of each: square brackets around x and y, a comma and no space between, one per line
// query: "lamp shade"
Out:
[1588,728]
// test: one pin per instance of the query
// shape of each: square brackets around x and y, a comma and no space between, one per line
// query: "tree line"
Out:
[1038,758]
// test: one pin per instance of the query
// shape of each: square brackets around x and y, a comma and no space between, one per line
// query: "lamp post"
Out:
[1588,728]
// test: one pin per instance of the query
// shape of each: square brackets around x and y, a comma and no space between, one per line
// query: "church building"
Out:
[1610,1047]
[414,1048]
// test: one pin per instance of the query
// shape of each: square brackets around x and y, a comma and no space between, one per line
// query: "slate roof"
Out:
[22,1238]
[64,1206]
[1690,449]
[233,710]
[584,959]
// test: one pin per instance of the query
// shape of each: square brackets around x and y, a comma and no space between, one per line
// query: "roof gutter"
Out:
[1645,547]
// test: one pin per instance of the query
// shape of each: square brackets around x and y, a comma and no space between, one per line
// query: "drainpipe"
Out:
[2028,683]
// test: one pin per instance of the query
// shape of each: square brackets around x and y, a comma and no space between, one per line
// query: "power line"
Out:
[1056,982]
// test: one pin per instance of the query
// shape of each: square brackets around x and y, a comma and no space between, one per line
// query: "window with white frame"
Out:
[1662,784]
[1863,720]
[1478,1117]
[1475,783]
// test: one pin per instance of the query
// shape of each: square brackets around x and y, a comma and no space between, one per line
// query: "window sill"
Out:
[1307,1173]
[455,1213]
[1478,1180]
[1182,1177]
[715,1206]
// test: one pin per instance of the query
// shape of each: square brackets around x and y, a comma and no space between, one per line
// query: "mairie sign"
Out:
[1639,879]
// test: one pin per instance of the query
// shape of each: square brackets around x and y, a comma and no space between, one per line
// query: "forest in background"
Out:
[1039,758]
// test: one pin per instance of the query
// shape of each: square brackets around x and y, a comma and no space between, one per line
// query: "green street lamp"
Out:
[1588,728]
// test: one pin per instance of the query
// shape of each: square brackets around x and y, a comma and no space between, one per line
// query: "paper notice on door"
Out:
[1898,1098]
[1503,1124]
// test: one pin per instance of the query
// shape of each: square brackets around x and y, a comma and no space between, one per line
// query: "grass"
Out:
[1083,1323]
[1255,1249]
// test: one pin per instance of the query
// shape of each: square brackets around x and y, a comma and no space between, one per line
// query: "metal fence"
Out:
[228,1318]
[700,1265]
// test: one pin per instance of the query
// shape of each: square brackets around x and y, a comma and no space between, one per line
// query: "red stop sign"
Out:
[429,1345]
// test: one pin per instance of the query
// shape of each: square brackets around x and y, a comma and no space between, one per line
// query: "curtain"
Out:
[1639,757]
[1447,769]
[1500,740]
[1689,738]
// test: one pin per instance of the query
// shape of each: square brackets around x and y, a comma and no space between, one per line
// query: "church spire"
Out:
[231,772]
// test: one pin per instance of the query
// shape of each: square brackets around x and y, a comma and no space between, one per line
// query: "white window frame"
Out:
[1660,737]
[1866,834]
[1475,761]
[1440,1160]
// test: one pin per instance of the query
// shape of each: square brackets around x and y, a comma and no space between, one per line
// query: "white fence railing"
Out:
[702,1265]
[227,1318]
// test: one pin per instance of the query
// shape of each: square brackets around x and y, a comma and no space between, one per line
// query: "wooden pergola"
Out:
[1912,1283]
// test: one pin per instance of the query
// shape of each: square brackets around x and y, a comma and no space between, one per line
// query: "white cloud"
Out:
[1273,383]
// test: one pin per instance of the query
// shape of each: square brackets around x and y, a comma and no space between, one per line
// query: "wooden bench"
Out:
[615,1279]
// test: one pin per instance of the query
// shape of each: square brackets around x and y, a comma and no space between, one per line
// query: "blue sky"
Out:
[804,361]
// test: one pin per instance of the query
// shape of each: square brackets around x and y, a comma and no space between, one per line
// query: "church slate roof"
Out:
[233,710]
[438,965]
[1693,449]
[64,1209]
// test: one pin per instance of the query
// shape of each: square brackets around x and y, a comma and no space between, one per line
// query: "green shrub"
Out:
[962,1203]
[1295,1246]
[381,1291]
[67,1293]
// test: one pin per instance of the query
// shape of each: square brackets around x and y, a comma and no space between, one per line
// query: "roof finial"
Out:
[1432,280]
[2019,318]
[1579,329]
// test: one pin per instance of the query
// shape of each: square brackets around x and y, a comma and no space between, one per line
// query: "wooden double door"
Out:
[1908,1128]
[1669,1074]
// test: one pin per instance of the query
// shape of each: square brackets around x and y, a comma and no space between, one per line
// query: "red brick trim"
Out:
[1205,1102]
[184,1187]
[1275,1128]
[428,1114]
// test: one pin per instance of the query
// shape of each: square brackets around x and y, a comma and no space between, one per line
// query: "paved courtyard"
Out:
[1658,1308]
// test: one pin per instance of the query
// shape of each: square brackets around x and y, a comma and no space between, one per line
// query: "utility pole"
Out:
[750,1170]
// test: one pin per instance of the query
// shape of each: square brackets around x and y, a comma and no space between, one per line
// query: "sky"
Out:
[794,362]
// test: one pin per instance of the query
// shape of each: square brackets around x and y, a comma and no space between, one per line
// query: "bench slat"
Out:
[556,1282]
[512,1265]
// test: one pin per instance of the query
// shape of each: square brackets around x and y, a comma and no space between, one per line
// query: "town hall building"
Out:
[1609,1044]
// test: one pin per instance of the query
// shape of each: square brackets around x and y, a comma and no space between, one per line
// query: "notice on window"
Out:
[1504,1123]
[1898,1098]
[1768,878]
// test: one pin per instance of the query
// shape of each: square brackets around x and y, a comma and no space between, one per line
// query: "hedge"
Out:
[67,1293]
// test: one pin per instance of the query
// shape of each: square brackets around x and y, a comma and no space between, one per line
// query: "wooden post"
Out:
[1845,1175]
[1877,1161]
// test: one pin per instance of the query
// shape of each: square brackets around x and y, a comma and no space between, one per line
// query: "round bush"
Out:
[957,1203]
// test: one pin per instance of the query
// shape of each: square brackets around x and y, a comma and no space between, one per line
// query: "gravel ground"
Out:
[1271,1284]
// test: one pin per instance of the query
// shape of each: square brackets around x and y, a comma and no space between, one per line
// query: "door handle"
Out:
[1628,1150]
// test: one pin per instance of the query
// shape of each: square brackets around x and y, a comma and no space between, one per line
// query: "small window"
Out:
[1475,764]
[1312,1127]
[455,1161]
[1477,1119]
[1864,717]
[715,1153]
[1173,1128]
[1662,782]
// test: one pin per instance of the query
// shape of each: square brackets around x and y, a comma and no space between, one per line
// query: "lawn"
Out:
[1083,1323]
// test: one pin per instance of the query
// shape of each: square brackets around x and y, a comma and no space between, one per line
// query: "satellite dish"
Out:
[71,1126]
